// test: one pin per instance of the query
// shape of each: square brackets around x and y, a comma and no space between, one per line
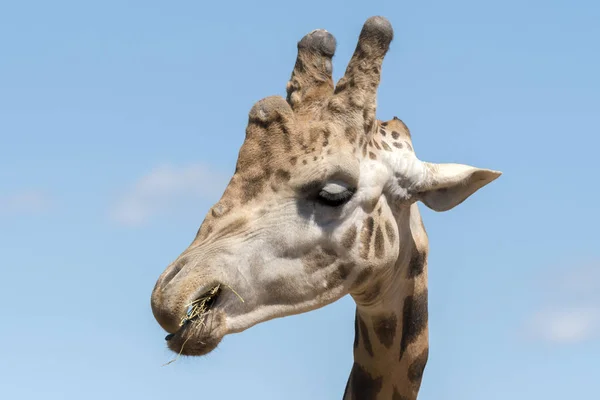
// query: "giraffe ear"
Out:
[448,185]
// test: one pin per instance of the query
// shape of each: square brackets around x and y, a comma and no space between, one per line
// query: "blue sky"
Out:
[120,124]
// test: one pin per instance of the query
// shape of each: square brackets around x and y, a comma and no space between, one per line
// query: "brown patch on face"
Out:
[364,386]
[414,319]
[382,131]
[251,188]
[340,275]
[293,160]
[315,132]
[395,134]
[326,135]
[372,156]
[377,146]
[379,244]
[318,259]
[233,227]
[365,237]
[281,177]
[344,270]
[398,145]
[385,328]
[416,369]
[349,237]
[417,263]
[364,151]
[362,277]
[386,146]
[286,137]
[389,230]
[281,291]
[304,162]
[364,334]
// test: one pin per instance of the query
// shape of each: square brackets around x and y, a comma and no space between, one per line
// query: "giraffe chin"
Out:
[199,336]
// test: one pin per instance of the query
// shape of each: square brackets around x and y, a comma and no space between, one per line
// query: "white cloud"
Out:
[24,202]
[566,325]
[167,189]
[571,311]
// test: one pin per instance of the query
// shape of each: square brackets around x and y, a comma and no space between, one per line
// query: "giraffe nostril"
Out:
[173,270]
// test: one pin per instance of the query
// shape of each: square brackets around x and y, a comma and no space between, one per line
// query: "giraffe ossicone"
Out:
[323,203]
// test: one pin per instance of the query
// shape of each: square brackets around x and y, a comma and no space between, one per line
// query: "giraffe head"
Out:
[312,211]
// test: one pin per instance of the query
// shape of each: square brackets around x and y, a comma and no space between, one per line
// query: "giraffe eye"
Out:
[334,195]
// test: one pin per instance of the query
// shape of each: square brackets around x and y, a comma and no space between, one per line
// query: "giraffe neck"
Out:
[391,334]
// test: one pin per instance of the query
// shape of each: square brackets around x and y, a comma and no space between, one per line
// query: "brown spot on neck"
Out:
[414,319]
[385,328]
[417,263]
[364,335]
[416,369]
[363,385]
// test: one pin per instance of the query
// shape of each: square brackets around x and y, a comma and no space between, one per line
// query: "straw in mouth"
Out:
[201,306]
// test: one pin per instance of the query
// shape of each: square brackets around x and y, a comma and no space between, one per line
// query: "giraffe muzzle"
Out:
[200,329]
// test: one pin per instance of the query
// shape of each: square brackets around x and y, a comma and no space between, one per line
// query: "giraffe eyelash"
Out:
[334,199]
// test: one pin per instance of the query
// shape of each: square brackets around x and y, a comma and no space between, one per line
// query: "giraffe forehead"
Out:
[315,152]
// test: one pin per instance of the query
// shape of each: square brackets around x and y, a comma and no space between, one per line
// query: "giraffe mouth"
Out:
[198,308]
[198,332]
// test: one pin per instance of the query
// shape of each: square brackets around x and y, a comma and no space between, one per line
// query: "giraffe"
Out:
[323,203]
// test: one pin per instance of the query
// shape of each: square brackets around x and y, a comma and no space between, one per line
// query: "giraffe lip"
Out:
[197,338]
[202,327]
